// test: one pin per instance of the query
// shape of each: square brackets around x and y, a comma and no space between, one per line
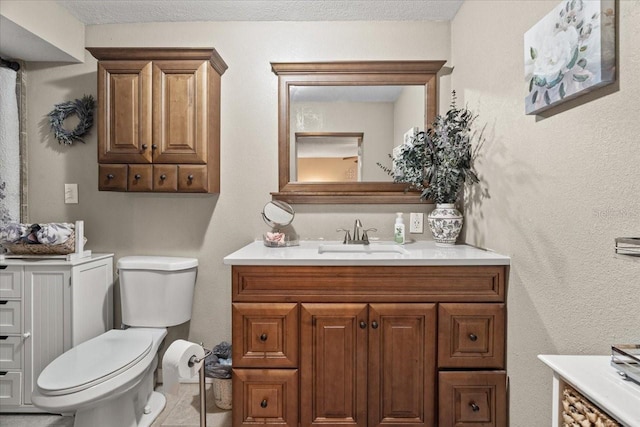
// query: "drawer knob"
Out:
[137,176]
[110,176]
[190,177]
[474,407]
[163,177]
[473,337]
[263,404]
[363,324]
[263,337]
[374,324]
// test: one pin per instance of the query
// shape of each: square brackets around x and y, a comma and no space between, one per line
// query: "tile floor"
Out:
[182,410]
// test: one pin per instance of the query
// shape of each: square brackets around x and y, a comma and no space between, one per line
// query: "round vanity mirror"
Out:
[279,215]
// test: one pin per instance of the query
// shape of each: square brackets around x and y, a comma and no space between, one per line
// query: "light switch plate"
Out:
[416,223]
[71,193]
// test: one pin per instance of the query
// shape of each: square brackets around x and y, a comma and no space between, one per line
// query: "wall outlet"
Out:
[416,223]
[71,193]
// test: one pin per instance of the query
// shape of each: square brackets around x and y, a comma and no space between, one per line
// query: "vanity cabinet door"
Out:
[124,112]
[265,335]
[402,363]
[471,336]
[472,399]
[180,124]
[333,364]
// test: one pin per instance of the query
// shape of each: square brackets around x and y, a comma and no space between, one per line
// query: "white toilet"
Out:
[108,381]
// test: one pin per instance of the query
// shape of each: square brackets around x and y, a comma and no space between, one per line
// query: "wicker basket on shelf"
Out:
[23,248]
[580,412]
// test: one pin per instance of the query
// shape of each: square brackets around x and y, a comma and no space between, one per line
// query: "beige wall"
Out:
[556,191]
[209,226]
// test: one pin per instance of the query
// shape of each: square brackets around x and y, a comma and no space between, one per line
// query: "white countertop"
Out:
[597,380]
[424,253]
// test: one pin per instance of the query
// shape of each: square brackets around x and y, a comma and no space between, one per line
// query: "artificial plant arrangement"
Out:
[438,162]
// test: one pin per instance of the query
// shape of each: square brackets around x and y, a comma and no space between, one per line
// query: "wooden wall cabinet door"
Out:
[124,111]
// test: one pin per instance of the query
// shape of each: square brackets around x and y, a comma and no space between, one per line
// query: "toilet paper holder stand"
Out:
[193,360]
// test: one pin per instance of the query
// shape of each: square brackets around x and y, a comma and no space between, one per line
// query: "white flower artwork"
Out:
[569,52]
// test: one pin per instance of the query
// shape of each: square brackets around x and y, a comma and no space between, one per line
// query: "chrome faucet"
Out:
[358,238]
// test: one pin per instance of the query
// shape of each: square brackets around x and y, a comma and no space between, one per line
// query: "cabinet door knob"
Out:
[263,337]
[110,176]
[473,337]
[26,335]
[163,177]
[144,147]
[474,407]
[264,403]
[374,325]
[363,324]
[190,177]
[137,176]
[154,146]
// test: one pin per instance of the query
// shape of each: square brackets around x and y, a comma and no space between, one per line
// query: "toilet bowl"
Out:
[108,381]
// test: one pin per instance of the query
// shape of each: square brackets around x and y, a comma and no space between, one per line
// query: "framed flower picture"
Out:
[569,52]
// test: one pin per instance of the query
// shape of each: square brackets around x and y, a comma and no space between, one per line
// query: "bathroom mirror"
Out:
[378,101]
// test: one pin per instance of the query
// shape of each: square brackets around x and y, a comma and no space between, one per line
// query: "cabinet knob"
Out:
[363,324]
[110,176]
[26,335]
[263,337]
[474,407]
[144,146]
[190,177]
[137,176]
[374,325]
[154,146]
[163,177]
[473,337]
[264,403]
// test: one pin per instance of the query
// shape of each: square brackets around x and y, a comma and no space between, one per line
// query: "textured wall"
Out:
[556,190]
[210,227]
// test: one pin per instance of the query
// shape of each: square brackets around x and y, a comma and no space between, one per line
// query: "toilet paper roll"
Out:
[175,363]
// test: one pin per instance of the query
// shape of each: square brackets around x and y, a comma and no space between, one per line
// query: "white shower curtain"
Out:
[9,148]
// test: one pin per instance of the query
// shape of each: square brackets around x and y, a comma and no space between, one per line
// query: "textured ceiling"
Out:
[127,11]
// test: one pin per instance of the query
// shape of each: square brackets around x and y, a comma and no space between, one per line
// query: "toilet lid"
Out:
[94,361]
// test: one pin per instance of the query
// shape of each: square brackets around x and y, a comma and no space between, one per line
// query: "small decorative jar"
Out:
[445,222]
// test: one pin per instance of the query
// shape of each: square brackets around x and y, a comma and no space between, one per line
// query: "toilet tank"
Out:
[156,291]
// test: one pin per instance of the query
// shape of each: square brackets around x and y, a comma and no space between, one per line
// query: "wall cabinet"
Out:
[159,119]
[47,307]
[369,346]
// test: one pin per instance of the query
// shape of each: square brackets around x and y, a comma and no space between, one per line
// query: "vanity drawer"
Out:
[471,336]
[472,399]
[165,178]
[265,335]
[265,397]
[112,177]
[10,317]
[10,352]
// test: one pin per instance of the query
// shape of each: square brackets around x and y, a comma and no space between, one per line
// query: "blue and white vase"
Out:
[445,222]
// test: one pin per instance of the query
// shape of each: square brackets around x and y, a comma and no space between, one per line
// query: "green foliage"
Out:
[438,162]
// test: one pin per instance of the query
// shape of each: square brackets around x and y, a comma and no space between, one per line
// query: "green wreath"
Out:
[83,108]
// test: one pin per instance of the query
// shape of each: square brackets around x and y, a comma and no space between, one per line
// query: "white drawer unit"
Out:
[48,306]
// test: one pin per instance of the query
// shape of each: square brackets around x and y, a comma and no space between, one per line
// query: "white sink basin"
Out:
[363,249]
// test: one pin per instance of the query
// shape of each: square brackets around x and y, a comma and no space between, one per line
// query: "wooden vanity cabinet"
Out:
[369,346]
[159,108]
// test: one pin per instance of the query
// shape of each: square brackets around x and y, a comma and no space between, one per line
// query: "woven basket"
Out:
[222,392]
[22,248]
[579,412]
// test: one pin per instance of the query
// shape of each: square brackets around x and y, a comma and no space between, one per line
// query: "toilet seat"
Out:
[95,361]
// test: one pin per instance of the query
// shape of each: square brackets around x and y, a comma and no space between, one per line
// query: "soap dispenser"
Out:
[398,229]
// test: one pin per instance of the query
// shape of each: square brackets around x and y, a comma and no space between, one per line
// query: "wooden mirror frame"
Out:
[347,73]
